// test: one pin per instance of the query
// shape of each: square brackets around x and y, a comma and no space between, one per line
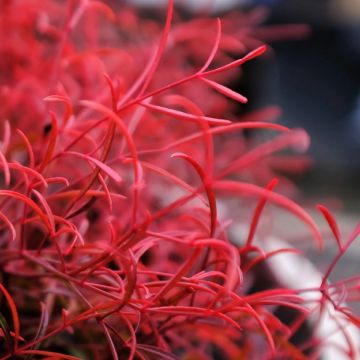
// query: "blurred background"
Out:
[317,83]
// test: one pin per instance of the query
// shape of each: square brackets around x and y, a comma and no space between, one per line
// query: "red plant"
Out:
[116,210]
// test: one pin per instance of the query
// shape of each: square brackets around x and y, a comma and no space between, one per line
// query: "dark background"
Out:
[316,81]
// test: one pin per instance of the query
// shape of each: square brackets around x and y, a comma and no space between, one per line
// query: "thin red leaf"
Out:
[29,171]
[332,224]
[110,341]
[184,116]
[14,313]
[52,142]
[28,148]
[105,168]
[159,353]
[6,333]
[7,137]
[251,55]
[162,44]
[221,130]
[47,209]
[257,213]
[6,169]
[215,47]
[9,225]
[245,189]
[297,138]
[29,202]
[131,145]
[225,90]
[106,190]
[112,91]
[43,325]
[194,109]
[66,101]
[208,188]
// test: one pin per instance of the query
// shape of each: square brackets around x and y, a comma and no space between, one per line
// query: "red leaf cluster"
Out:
[123,169]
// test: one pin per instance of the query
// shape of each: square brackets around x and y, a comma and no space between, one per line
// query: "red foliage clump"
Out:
[123,168]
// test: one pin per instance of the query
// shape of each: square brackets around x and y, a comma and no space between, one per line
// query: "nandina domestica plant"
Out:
[125,170]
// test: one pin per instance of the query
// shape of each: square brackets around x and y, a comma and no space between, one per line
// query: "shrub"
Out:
[124,169]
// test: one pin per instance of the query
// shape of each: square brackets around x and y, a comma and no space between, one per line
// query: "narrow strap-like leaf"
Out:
[14,313]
